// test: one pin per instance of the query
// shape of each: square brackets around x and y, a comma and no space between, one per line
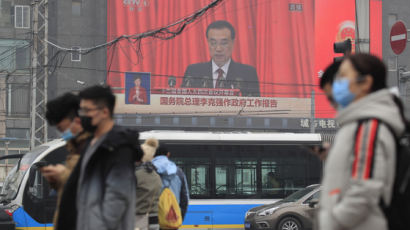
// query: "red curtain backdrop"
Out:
[277,41]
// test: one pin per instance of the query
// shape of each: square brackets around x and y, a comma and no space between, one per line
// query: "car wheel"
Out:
[290,223]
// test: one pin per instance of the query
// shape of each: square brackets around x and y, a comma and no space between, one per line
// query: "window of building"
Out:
[6,13]
[22,17]
[76,7]
[7,63]
[18,103]
[14,55]
[76,55]
[18,133]
[23,58]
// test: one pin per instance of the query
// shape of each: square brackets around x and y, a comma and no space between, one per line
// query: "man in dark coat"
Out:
[222,71]
[101,188]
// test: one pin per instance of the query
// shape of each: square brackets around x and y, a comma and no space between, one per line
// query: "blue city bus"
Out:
[230,173]
[227,174]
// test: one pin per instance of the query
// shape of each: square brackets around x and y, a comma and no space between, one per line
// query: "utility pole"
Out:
[39,73]
[312,112]
[362,26]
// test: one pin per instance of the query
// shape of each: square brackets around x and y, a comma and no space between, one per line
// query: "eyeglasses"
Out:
[84,111]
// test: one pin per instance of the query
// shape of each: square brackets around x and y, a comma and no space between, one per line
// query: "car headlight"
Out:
[267,211]
[248,213]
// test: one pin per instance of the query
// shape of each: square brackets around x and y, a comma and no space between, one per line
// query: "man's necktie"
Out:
[220,79]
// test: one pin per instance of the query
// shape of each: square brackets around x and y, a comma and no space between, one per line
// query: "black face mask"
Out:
[87,124]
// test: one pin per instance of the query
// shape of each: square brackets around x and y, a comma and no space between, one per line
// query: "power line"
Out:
[164,33]
[170,75]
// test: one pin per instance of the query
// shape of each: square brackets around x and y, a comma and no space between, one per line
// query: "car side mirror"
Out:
[313,202]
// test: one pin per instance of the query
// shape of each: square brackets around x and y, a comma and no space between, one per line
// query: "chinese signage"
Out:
[319,123]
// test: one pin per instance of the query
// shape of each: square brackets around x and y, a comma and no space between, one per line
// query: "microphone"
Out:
[172,81]
[206,82]
[187,82]
[237,83]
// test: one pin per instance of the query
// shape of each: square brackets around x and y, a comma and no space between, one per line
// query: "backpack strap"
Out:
[365,148]
[166,179]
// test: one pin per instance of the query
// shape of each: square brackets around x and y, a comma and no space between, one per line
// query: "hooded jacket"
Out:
[107,186]
[359,170]
[149,183]
[175,179]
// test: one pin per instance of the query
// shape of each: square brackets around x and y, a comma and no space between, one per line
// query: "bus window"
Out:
[197,174]
[271,181]
[245,179]
[287,169]
[235,176]
[245,171]
[221,180]
[198,180]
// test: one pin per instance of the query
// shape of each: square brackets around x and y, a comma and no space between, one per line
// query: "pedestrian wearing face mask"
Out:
[100,193]
[62,113]
[360,166]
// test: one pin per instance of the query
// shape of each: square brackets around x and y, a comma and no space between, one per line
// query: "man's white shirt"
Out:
[215,71]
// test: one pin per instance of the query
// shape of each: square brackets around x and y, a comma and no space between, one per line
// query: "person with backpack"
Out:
[149,186]
[360,168]
[174,189]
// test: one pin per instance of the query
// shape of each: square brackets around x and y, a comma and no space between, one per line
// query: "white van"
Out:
[26,196]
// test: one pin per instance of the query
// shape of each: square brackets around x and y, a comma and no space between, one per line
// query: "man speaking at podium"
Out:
[222,71]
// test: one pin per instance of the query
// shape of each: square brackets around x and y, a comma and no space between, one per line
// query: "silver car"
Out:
[295,212]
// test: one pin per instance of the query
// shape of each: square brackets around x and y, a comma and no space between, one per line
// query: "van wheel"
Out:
[290,223]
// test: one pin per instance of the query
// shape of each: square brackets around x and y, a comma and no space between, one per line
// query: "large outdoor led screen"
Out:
[243,57]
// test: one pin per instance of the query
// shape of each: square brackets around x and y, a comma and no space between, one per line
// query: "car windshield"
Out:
[299,194]
[13,180]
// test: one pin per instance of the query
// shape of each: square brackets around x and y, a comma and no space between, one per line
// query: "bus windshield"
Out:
[13,180]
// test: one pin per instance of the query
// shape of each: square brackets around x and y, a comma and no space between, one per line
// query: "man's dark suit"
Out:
[240,76]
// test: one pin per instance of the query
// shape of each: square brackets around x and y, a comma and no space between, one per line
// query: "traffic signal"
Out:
[344,47]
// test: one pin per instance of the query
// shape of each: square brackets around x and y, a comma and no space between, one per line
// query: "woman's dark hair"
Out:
[329,74]
[367,64]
